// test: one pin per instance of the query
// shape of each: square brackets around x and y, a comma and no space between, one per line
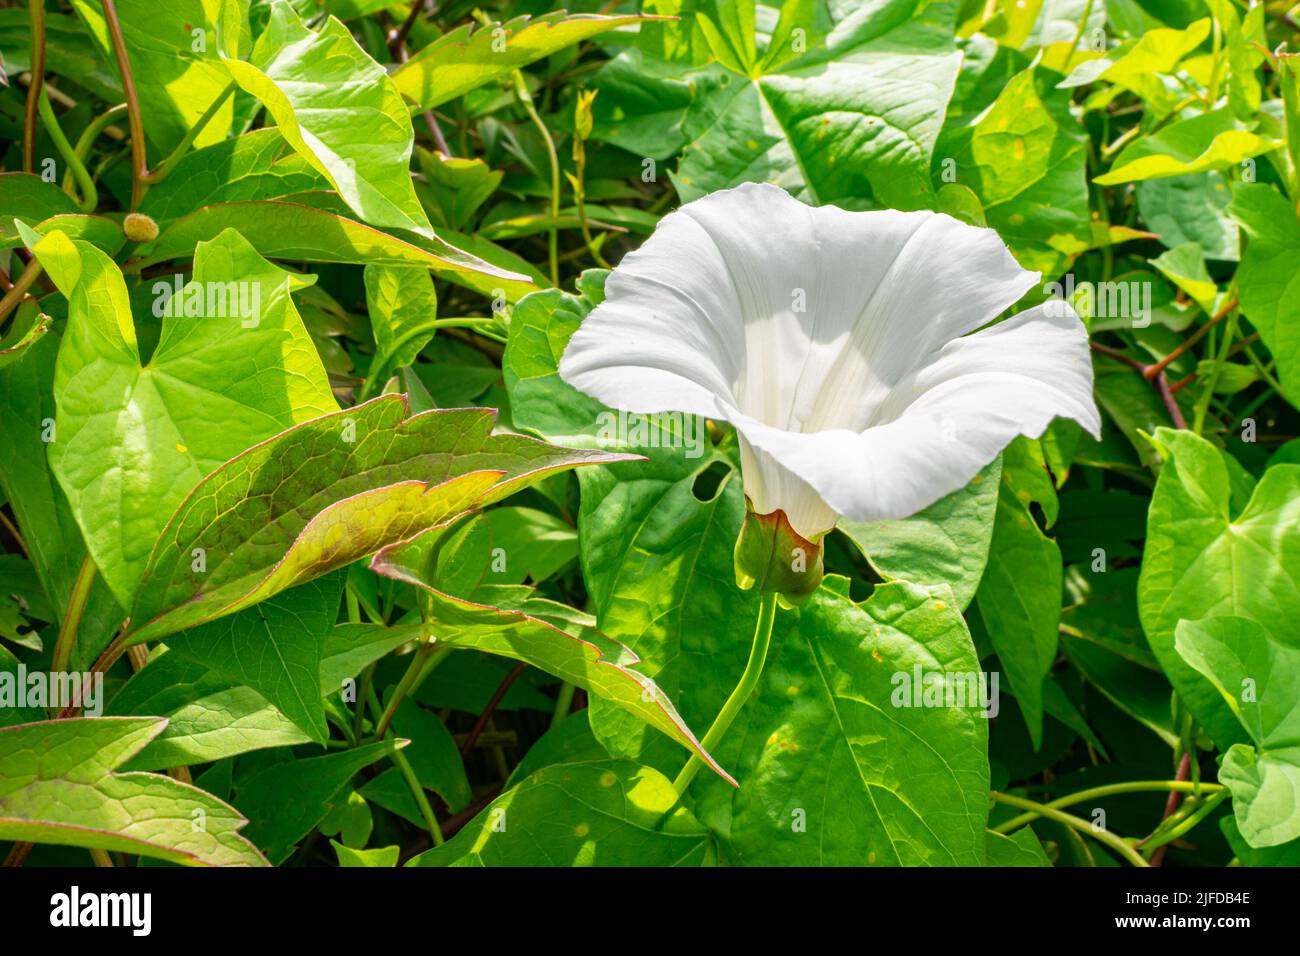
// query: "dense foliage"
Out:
[287,458]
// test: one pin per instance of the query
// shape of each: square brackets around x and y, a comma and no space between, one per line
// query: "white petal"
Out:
[832,341]
[949,419]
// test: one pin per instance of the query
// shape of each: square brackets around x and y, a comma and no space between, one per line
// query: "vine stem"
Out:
[553,249]
[139,158]
[408,774]
[176,155]
[416,671]
[89,196]
[71,621]
[36,10]
[748,681]
[1133,786]
[19,289]
[1083,826]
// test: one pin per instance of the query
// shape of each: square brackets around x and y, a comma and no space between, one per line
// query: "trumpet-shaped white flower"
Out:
[838,345]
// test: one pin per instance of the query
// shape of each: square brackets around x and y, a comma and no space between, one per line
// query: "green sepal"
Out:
[771,555]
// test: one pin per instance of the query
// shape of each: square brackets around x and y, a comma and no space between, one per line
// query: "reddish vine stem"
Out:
[1175,798]
[484,717]
[1155,369]
[1161,382]
[37,13]
[397,38]
[1235,350]
[139,159]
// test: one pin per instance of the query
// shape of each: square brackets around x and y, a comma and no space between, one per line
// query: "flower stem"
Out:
[748,681]
[1117,844]
[71,621]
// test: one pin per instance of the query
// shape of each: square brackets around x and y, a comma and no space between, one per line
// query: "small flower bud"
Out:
[139,227]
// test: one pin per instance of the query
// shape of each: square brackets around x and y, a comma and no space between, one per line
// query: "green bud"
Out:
[771,555]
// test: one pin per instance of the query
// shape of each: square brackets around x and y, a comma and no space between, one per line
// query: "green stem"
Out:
[71,621]
[88,137]
[412,781]
[415,674]
[159,173]
[89,195]
[1203,401]
[1078,34]
[1083,826]
[748,681]
[526,98]
[1188,823]
[1096,793]
[563,701]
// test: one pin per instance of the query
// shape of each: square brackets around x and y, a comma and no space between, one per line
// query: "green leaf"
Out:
[275,648]
[379,856]
[47,523]
[1018,849]
[286,800]
[1212,140]
[1268,282]
[209,716]
[454,188]
[28,326]
[471,55]
[510,622]
[433,754]
[849,122]
[841,759]
[1184,266]
[257,165]
[946,543]
[534,544]
[403,307]
[1133,63]
[57,785]
[1025,158]
[1020,601]
[285,230]
[1259,679]
[602,813]
[29,198]
[1216,547]
[325,493]
[1193,208]
[360,139]
[174,62]
[132,439]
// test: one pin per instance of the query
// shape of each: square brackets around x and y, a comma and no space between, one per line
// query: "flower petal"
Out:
[946,421]
[803,318]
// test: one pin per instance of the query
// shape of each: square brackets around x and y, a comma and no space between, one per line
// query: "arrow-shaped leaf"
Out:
[508,621]
[57,785]
[341,111]
[325,493]
[469,56]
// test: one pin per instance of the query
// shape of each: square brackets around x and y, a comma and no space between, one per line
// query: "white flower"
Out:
[837,345]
